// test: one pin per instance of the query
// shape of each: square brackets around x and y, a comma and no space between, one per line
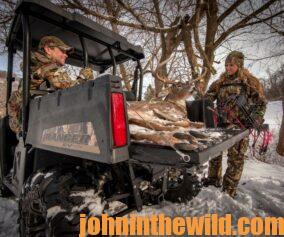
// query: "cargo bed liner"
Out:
[166,155]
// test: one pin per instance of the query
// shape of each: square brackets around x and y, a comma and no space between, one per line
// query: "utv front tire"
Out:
[5,192]
[52,200]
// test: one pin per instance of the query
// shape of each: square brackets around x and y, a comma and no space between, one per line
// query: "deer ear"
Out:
[163,93]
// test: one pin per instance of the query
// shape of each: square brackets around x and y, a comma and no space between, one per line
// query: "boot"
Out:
[212,181]
[231,191]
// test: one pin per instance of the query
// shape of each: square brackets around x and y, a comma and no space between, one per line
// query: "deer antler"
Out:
[164,79]
[200,78]
[160,64]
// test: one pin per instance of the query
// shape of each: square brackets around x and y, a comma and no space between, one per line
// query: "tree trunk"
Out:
[169,42]
[162,72]
[280,146]
[124,77]
[187,41]
[211,30]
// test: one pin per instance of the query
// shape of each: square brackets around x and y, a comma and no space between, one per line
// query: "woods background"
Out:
[183,39]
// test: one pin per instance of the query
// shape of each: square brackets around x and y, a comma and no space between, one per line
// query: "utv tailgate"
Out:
[77,121]
[165,155]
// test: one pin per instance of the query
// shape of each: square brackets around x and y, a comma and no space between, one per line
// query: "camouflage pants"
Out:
[14,111]
[236,157]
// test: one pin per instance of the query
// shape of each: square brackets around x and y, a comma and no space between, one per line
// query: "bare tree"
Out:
[180,37]
[6,15]
[274,90]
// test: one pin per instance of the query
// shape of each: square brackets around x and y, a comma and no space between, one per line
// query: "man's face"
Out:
[231,68]
[56,54]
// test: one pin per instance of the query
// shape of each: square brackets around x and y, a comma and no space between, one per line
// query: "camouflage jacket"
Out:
[226,87]
[43,69]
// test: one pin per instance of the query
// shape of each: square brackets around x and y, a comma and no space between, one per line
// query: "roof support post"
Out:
[9,74]
[85,52]
[135,82]
[26,72]
[141,80]
[112,60]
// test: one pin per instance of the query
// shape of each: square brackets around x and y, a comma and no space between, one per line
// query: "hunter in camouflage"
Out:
[46,72]
[234,82]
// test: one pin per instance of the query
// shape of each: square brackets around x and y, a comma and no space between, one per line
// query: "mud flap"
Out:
[7,142]
[136,193]
[19,165]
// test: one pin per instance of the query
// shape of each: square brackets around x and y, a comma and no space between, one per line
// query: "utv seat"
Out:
[129,96]
[44,89]
[40,93]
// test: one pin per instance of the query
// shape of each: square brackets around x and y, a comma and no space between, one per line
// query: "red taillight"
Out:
[118,120]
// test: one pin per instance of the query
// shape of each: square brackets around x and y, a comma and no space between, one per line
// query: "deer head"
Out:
[179,91]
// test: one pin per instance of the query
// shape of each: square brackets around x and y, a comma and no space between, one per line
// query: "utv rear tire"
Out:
[52,200]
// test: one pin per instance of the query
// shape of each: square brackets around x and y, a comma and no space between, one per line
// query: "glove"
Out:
[259,121]
[86,74]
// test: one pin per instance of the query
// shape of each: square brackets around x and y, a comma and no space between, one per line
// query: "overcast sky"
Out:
[259,69]
[252,45]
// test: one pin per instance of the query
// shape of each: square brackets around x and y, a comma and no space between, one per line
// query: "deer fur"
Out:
[163,118]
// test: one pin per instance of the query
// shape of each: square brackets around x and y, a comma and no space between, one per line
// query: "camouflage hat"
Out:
[237,57]
[53,41]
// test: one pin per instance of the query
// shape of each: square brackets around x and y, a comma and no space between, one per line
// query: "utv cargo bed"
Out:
[166,155]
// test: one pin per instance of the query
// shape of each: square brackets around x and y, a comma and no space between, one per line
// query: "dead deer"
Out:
[162,119]
[178,92]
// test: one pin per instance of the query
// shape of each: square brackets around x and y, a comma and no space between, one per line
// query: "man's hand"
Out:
[86,74]
[258,122]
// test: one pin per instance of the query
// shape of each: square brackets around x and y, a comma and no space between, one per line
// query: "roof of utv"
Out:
[46,18]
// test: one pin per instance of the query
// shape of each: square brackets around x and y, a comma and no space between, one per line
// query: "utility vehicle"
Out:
[74,154]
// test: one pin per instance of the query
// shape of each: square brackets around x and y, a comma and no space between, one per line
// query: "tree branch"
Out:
[197,40]
[129,9]
[265,22]
[158,13]
[242,23]
[229,10]
[91,12]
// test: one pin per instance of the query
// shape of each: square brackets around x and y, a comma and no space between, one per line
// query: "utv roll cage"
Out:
[100,48]
[100,150]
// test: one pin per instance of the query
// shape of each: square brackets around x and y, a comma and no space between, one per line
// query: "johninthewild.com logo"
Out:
[161,225]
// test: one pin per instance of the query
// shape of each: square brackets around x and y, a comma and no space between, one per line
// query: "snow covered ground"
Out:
[273,117]
[260,193]
[8,218]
